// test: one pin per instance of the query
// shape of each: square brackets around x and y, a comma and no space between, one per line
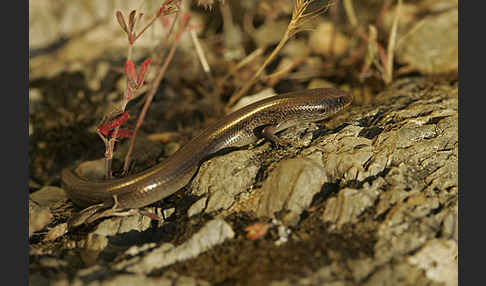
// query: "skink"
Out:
[242,127]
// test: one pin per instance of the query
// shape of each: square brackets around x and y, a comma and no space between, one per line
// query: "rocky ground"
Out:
[370,195]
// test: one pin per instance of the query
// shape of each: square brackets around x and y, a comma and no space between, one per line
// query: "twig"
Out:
[132,36]
[334,14]
[282,71]
[370,52]
[388,76]
[112,140]
[153,90]
[348,8]
[200,53]
[383,11]
[299,18]
[246,60]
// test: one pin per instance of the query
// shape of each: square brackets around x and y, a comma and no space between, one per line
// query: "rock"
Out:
[406,155]
[431,45]
[223,178]
[135,250]
[93,246]
[451,223]
[349,204]
[438,258]
[139,279]
[35,100]
[246,100]
[53,262]
[57,231]
[397,274]
[39,217]
[197,207]
[48,195]
[213,233]
[118,225]
[134,279]
[291,187]
[94,170]
[324,276]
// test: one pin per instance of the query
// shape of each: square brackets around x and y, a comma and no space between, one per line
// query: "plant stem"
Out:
[388,75]
[148,100]
[299,18]
[110,147]
[348,8]
[247,86]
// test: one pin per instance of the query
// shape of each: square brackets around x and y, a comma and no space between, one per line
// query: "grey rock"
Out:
[136,249]
[93,246]
[197,207]
[113,226]
[291,186]
[398,274]
[344,155]
[348,205]
[417,173]
[137,279]
[407,159]
[450,227]
[96,242]
[225,177]
[327,275]
[57,231]
[52,262]
[438,258]
[213,233]
[99,276]
[431,45]
[39,217]
[48,195]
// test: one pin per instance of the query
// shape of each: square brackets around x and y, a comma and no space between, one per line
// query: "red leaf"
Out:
[165,8]
[185,19]
[121,21]
[123,133]
[160,11]
[142,72]
[130,70]
[105,128]
[131,20]
[183,25]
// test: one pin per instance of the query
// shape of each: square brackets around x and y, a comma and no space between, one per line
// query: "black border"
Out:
[461,134]
[14,115]
[472,65]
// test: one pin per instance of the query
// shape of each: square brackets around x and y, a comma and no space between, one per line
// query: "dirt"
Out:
[245,262]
